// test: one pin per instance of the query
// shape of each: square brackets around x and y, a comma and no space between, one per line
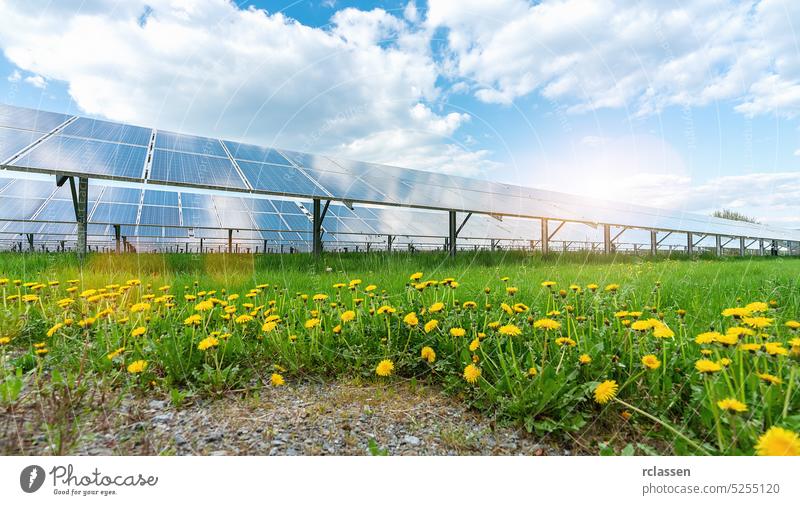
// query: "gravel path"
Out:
[338,418]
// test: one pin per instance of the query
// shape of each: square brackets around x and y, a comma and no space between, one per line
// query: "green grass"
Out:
[672,408]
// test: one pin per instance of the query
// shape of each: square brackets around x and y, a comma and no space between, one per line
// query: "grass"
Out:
[534,379]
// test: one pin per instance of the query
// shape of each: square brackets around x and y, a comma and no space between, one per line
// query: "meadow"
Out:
[693,355]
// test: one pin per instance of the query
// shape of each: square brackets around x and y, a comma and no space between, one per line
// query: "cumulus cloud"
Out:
[214,69]
[14,76]
[643,56]
[37,81]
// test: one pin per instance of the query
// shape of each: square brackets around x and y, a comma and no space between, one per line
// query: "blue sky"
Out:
[688,105]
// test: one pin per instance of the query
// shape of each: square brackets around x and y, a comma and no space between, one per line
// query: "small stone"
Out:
[162,418]
[411,440]
[219,453]
[157,404]
[214,436]
[180,439]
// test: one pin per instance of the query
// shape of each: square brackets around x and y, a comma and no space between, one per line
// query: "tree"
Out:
[732,215]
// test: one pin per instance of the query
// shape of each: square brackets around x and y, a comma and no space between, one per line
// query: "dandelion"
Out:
[416,276]
[276,380]
[792,325]
[471,373]
[707,366]
[470,305]
[663,331]
[651,362]
[243,319]
[385,368]
[138,331]
[584,359]
[204,306]
[757,307]
[732,405]
[565,341]
[113,354]
[436,307]
[140,307]
[54,329]
[736,312]
[4,340]
[193,320]
[605,391]
[547,324]
[770,379]
[759,322]
[411,319]
[548,284]
[137,366]
[431,325]
[428,354]
[510,330]
[312,323]
[612,288]
[473,346]
[778,442]
[532,371]
[386,309]
[457,332]
[347,316]
[208,343]
[708,337]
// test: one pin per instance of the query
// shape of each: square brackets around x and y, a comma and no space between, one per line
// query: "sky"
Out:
[689,105]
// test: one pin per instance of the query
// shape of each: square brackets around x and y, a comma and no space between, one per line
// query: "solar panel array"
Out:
[50,143]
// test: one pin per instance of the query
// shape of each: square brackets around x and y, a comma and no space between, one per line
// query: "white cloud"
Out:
[37,81]
[214,69]
[14,76]
[644,56]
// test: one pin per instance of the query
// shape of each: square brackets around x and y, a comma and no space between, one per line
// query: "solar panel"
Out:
[13,141]
[81,156]
[279,179]
[155,215]
[114,213]
[168,198]
[110,132]
[30,119]
[194,169]
[199,217]
[248,152]
[189,144]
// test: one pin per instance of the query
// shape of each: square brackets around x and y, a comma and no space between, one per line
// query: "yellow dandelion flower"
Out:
[193,320]
[54,329]
[651,361]
[386,309]
[547,324]
[457,332]
[565,341]
[605,391]
[732,405]
[707,366]
[431,325]
[510,330]
[770,379]
[276,380]
[137,366]
[471,373]
[584,359]
[428,354]
[411,319]
[113,354]
[436,307]
[138,331]
[708,337]
[778,442]
[347,316]
[208,343]
[384,368]
[473,346]
[312,323]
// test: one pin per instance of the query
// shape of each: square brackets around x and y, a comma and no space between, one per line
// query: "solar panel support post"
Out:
[451,243]
[741,246]
[545,236]
[230,241]
[30,241]
[718,245]
[689,243]
[81,202]
[653,242]
[117,234]
[201,245]
[389,241]
[607,238]
[317,217]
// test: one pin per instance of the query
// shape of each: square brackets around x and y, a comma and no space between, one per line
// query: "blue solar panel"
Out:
[119,195]
[196,200]
[19,208]
[279,179]
[115,213]
[184,168]
[268,221]
[13,141]
[295,222]
[347,187]
[167,198]
[248,152]
[57,210]
[29,119]
[306,160]
[260,205]
[108,131]
[286,207]
[189,144]
[81,156]
[152,214]
[198,217]
[27,188]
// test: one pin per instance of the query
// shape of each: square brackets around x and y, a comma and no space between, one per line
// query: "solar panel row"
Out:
[104,149]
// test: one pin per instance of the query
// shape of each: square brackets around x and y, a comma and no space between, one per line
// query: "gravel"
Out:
[338,418]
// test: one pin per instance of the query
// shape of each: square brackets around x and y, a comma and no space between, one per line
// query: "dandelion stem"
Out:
[665,425]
